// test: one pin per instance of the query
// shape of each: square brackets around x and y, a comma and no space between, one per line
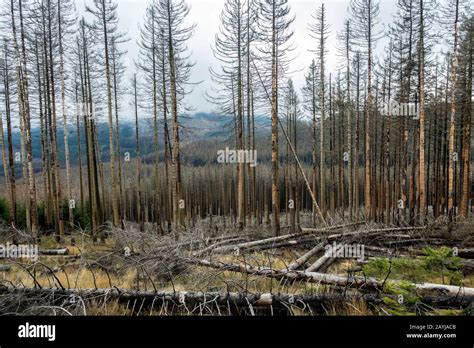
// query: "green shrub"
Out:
[434,263]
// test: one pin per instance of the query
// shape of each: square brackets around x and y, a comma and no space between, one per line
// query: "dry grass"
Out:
[102,266]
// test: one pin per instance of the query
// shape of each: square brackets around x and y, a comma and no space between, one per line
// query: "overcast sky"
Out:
[205,14]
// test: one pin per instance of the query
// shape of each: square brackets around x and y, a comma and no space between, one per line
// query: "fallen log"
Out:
[215,245]
[431,291]
[416,241]
[400,229]
[326,260]
[437,292]
[372,233]
[306,232]
[297,238]
[260,242]
[188,244]
[285,244]
[303,259]
[331,228]
[190,298]
[410,251]
[310,277]
[376,249]
[468,266]
[52,252]
[225,237]
[466,253]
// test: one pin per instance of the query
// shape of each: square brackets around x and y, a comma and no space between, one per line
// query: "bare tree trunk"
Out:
[349,110]
[368,127]
[240,125]
[155,129]
[452,119]
[11,163]
[314,135]
[322,98]
[22,76]
[65,120]
[79,145]
[113,174]
[121,198]
[356,140]
[421,175]
[168,204]
[275,158]
[466,133]
[138,156]
[54,148]
[176,156]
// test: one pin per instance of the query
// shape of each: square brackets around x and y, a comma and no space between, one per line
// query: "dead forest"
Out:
[359,201]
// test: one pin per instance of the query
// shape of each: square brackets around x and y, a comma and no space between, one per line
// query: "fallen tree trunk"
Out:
[260,242]
[197,302]
[416,241]
[322,261]
[328,258]
[62,251]
[371,233]
[466,253]
[211,247]
[400,229]
[468,265]
[285,244]
[189,299]
[298,238]
[437,292]
[266,241]
[310,277]
[328,264]
[243,236]
[194,241]
[332,228]
[303,259]
[432,291]
[379,250]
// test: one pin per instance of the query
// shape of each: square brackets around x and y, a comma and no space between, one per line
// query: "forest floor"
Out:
[185,273]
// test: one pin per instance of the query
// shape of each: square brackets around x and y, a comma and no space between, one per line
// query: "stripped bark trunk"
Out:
[322,262]
[303,259]
[452,118]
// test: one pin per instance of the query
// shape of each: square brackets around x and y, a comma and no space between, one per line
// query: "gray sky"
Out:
[205,14]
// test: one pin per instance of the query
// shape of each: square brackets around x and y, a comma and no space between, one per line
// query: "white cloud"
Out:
[205,13]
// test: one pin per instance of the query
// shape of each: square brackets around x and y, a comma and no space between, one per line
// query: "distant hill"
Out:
[203,134]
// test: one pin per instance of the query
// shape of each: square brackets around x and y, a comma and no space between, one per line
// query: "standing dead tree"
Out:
[275,33]
[173,15]
[106,27]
